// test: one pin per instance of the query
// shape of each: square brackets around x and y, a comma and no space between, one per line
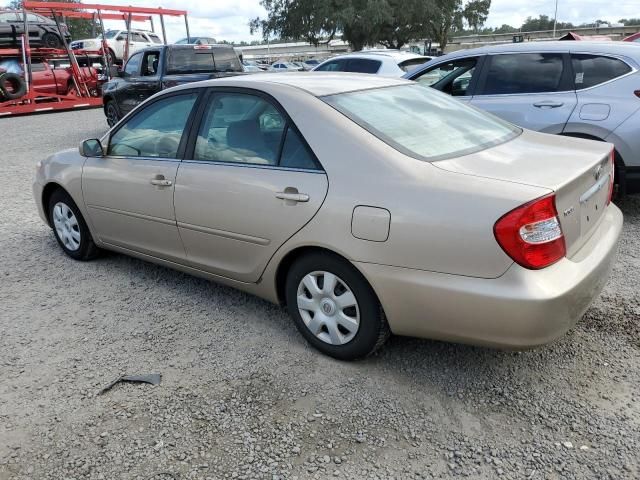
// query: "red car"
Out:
[632,38]
[52,81]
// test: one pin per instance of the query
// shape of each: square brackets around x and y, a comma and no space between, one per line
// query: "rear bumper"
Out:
[521,309]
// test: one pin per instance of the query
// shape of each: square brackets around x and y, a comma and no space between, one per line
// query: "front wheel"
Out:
[334,307]
[111,111]
[51,40]
[69,227]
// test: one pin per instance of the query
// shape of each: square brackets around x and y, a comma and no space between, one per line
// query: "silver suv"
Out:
[580,89]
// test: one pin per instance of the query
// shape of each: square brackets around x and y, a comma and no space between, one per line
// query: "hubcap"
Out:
[328,307]
[67,227]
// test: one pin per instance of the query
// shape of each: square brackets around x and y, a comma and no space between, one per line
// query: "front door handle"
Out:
[548,104]
[160,181]
[293,196]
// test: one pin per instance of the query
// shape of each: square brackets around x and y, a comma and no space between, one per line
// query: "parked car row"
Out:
[580,89]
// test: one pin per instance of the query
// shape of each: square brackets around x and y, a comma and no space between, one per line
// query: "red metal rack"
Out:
[80,96]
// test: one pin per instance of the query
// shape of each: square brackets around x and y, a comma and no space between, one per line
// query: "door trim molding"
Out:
[225,234]
[142,216]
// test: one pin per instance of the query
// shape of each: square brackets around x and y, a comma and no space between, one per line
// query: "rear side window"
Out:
[226,60]
[591,70]
[332,66]
[8,17]
[37,67]
[154,38]
[362,65]
[190,60]
[245,128]
[524,73]
[295,153]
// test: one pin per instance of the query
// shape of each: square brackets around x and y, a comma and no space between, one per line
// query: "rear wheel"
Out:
[111,57]
[69,227]
[112,113]
[334,307]
[51,40]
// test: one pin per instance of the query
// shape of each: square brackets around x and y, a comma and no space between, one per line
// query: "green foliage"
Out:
[392,23]
[543,22]
[450,15]
[629,21]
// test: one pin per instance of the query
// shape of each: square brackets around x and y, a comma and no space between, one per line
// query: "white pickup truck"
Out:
[116,41]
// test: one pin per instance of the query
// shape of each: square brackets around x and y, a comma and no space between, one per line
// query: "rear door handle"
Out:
[548,104]
[161,182]
[293,197]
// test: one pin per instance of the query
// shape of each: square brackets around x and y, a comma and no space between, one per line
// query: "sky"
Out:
[229,19]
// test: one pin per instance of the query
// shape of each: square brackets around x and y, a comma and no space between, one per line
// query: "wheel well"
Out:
[289,259]
[46,195]
[619,160]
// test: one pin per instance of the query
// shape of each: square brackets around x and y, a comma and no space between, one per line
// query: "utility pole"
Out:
[555,20]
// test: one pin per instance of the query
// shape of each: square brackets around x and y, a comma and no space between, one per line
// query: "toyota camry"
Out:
[367,205]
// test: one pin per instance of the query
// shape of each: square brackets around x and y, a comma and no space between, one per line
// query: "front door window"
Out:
[156,130]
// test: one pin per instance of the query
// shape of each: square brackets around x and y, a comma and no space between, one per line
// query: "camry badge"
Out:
[568,211]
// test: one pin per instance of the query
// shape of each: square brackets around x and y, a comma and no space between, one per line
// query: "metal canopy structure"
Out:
[81,97]
[109,12]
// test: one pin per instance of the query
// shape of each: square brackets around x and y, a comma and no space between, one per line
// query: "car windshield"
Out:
[109,34]
[421,122]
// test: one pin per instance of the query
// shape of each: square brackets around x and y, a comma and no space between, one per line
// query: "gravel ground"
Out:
[243,396]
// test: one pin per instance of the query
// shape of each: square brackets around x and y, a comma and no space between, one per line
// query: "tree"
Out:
[392,23]
[629,21]
[543,22]
[315,21]
[449,17]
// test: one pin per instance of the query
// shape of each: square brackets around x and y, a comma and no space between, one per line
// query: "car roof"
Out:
[615,48]
[395,55]
[318,84]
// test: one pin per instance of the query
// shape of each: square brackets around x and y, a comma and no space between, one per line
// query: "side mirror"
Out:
[91,148]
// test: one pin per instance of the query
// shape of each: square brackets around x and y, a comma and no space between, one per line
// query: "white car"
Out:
[390,63]
[116,41]
[281,66]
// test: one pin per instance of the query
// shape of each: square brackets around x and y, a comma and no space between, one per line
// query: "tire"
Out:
[111,57]
[70,228]
[51,40]
[343,333]
[12,86]
[112,113]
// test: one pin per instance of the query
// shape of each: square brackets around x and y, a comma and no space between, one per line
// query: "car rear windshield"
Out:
[200,59]
[421,122]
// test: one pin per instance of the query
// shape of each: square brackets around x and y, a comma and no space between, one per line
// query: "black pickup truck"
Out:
[153,69]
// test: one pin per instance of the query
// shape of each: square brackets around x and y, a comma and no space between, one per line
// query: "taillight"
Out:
[612,165]
[531,234]
[637,93]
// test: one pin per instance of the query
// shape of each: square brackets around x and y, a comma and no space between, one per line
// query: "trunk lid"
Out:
[577,170]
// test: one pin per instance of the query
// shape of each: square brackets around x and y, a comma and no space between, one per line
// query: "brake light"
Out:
[611,176]
[531,234]
[637,93]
